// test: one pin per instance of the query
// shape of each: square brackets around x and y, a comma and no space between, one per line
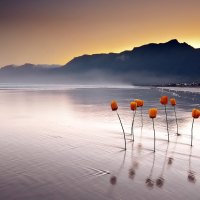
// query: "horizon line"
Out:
[105,52]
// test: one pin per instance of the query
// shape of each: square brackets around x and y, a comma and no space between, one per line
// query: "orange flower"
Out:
[114,105]
[195,113]
[173,101]
[153,112]
[133,105]
[164,100]
[139,102]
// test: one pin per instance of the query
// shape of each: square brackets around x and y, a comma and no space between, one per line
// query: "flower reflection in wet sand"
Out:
[113,180]
[134,167]
[160,182]
[131,173]
[139,145]
[170,160]
[149,182]
[191,174]
[191,177]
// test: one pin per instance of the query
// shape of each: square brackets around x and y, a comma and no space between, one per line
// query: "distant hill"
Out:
[28,73]
[149,64]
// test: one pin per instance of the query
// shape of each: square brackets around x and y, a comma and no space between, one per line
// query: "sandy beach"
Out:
[66,143]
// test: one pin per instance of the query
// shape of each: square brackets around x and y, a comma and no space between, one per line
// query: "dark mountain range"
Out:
[149,64]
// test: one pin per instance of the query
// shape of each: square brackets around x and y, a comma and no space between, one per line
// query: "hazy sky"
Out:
[55,31]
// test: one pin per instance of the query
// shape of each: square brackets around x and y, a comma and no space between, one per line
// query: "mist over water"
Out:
[64,142]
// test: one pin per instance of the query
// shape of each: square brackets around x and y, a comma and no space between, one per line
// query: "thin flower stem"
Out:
[122,130]
[167,122]
[174,146]
[132,132]
[154,135]
[176,120]
[141,117]
[192,131]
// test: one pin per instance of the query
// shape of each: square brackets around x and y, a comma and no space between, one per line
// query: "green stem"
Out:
[176,120]
[192,131]
[141,117]
[154,135]
[122,130]
[133,124]
[167,122]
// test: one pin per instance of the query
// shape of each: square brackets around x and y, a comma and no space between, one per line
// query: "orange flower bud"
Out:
[173,101]
[133,105]
[153,112]
[139,102]
[164,100]
[195,113]
[114,105]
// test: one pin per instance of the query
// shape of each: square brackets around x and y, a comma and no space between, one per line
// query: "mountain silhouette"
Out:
[148,64]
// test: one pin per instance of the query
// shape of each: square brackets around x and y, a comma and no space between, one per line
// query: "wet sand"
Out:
[68,144]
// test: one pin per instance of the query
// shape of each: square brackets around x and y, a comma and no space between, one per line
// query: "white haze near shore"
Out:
[182,89]
[67,86]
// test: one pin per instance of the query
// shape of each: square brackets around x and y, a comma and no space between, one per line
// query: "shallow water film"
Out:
[66,143]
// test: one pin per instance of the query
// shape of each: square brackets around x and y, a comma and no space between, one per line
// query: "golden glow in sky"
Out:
[55,31]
